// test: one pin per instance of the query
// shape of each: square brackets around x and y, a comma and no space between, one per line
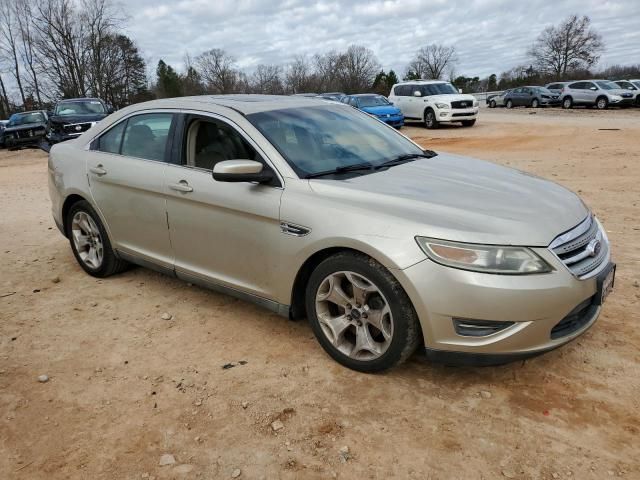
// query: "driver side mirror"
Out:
[241,171]
[110,109]
[417,93]
[592,88]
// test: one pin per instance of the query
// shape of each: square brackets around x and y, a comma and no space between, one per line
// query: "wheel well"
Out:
[424,114]
[298,309]
[602,96]
[69,202]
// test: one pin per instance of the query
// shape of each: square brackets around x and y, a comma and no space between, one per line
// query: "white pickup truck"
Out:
[434,102]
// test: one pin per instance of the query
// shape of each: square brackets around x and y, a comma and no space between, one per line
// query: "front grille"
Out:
[77,128]
[462,104]
[582,249]
[467,114]
[577,318]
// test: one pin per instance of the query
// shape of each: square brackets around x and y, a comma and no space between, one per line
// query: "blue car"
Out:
[377,106]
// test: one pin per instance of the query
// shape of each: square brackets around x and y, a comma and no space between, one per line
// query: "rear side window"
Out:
[110,142]
[146,136]
[577,86]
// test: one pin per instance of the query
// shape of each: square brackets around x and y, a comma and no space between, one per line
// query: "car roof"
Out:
[366,95]
[66,100]
[422,82]
[244,104]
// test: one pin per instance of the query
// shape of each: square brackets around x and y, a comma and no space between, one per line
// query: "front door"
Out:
[221,232]
[125,167]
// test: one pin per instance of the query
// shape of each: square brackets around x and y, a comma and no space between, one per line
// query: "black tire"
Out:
[567,102]
[110,264]
[430,120]
[509,104]
[535,103]
[492,104]
[602,103]
[468,123]
[406,328]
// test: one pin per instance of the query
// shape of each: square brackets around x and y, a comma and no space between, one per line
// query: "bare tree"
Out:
[300,77]
[433,61]
[9,33]
[218,71]
[571,45]
[5,108]
[358,67]
[267,79]
[22,12]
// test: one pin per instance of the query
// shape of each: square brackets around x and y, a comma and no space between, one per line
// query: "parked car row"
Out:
[69,119]
[600,94]
[431,102]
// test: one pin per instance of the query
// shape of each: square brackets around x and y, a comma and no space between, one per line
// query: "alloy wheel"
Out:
[87,240]
[354,315]
[602,103]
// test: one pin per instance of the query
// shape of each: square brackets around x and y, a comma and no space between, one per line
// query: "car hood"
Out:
[70,119]
[462,199]
[26,126]
[452,97]
[382,110]
[622,92]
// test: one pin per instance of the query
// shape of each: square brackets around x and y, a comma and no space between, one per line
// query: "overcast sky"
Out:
[490,36]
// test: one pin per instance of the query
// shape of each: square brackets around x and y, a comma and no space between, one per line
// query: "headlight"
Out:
[442,105]
[484,258]
[476,103]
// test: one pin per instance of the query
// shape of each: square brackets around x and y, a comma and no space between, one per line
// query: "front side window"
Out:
[146,136]
[111,141]
[210,141]
[439,89]
[323,138]
[588,86]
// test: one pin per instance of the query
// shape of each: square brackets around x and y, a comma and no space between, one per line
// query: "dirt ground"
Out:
[126,387]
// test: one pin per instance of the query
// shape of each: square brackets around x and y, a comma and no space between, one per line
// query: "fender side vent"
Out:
[295,230]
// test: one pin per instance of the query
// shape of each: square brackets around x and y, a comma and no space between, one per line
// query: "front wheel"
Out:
[492,104]
[90,243]
[468,123]
[509,104]
[360,314]
[535,103]
[602,103]
[567,103]
[430,120]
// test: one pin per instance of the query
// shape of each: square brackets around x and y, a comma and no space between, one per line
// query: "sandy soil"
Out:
[127,387]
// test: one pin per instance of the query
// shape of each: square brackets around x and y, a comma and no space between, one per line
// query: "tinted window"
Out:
[577,85]
[211,141]
[146,136]
[588,85]
[318,139]
[26,118]
[110,141]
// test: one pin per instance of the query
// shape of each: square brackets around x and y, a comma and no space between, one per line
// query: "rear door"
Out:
[224,233]
[125,167]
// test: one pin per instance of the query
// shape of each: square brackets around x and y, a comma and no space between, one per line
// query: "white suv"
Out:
[434,102]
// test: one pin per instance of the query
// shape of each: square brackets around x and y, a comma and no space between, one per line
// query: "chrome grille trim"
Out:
[576,249]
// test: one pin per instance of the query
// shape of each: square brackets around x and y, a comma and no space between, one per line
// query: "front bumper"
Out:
[23,141]
[534,303]
[457,114]
[57,137]
[550,102]
[393,120]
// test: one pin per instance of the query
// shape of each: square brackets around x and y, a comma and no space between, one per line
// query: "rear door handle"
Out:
[98,170]
[181,186]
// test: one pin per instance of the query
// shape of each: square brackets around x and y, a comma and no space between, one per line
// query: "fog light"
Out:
[443,114]
[478,328]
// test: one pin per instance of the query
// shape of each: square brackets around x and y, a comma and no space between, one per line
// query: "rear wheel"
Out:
[567,102]
[90,243]
[602,103]
[468,123]
[509,104]
[360,314]
[430,120]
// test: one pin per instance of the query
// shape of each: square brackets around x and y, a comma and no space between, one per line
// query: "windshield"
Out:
[372,101]
[545,91]
[608,85]
[323,138]
[26,118]
[636,83]
[439,89]
[80,107]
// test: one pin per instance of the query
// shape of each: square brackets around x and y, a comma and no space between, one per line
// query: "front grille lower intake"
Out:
[478,328]
[575,320]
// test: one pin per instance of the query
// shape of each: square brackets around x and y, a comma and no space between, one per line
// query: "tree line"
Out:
[54,49]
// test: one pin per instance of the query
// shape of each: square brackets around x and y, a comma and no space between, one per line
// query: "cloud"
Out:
[490,35]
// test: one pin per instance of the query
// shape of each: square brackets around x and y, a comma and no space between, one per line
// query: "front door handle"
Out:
[181,186]
[98,170]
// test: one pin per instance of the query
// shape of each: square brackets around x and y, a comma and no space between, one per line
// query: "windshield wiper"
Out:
[400,159]
[347,168]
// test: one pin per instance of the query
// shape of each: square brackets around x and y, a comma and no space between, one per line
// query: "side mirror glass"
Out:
[593,88]
[241,171]
[417,93]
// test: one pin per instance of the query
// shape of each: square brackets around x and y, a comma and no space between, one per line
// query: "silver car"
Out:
[632,86]
[598,93]
[314,209]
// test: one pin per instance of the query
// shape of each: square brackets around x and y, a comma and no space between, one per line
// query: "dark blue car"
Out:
[377,106]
